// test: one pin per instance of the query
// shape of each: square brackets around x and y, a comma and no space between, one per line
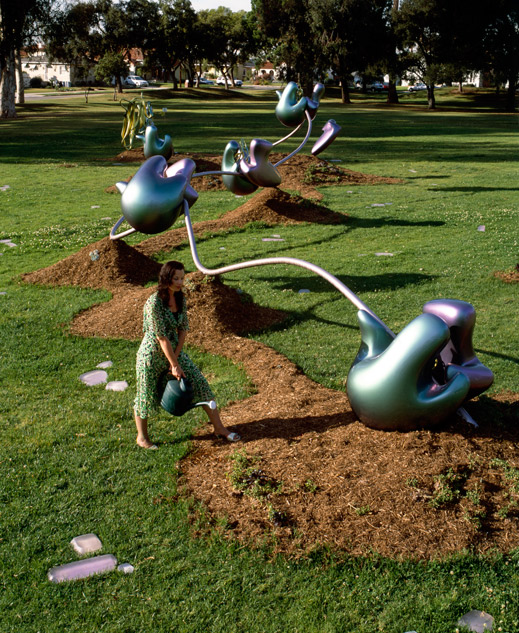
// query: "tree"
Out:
[127,25]
[352,36]
[111,67]
[501,47]
[101,31]
[178,37]
[17,20]
[437,36]
[287,25]
[230,39]
[75,36]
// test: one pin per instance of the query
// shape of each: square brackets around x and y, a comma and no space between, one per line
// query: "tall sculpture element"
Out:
[397,382]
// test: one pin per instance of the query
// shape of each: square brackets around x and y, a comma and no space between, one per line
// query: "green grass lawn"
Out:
[68,460]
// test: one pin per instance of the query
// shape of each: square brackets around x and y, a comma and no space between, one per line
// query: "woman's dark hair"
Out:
[166,274]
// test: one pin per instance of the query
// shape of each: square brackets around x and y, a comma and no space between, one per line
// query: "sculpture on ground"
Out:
[397,382]
[138,123]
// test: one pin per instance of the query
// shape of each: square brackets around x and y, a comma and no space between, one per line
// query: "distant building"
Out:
[37,64]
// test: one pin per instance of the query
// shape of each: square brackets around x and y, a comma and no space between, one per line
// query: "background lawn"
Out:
[68,461]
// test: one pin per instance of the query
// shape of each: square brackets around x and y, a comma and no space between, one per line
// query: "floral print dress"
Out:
[152,364]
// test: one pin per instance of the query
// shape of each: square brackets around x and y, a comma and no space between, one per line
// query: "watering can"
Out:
[177,398]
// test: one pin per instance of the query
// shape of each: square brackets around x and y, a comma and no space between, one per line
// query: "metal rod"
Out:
[284,160]
[288,135]
[113,236]
[218,173]
[342,288]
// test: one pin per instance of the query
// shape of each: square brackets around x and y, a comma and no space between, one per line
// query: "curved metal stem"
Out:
[217,173]
[284,160]
[342,288]
[288,135]
[113,236]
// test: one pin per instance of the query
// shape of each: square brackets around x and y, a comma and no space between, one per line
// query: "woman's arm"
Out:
[171,355]
[181,339]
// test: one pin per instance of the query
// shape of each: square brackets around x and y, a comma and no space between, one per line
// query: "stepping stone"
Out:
[95,377]
[477,621]
[105,364]
[117,385]
[86,544]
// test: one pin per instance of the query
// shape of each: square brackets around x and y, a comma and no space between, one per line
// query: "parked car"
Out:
[221,82]
[417,87]
[135,81]
[377,86]
[205,82]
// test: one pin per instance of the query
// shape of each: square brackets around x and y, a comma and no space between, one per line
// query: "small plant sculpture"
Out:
[138,123]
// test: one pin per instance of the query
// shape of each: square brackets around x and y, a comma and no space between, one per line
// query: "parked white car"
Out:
[221,82]
[135,81]
[417,87]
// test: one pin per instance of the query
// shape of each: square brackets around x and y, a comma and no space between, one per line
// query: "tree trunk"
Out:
[119,85]
[8,89]
[392,95]
[345,90]
[460,86]
[431,100]
[20,88]
[510,95]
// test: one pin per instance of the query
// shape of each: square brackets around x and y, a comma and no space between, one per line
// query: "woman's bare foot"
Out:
[146,443]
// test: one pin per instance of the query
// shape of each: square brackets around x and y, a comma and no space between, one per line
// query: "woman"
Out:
[165,328]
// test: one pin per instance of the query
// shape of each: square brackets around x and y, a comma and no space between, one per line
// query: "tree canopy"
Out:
[307,40]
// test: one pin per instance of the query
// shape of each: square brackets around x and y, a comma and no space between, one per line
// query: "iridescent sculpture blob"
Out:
[231,164]
[155,146]
[393,384]
[397,382]
[152,201]
[330,132]
[256,167]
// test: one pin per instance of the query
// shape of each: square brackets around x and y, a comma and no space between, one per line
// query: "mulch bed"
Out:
[310,474]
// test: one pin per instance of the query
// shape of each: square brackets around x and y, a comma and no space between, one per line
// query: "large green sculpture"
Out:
[414,379]
[393,384]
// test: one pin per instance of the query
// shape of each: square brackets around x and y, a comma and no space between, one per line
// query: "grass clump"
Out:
[247,477]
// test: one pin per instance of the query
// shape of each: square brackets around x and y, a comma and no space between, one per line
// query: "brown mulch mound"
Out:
[272,206]
[302,173]
[508,276]
[308,473]
[106,264]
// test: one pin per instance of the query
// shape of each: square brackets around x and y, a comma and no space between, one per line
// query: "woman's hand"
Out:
[176,371]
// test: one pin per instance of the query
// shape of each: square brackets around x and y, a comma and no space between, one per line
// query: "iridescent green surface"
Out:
[257,167]
[155,146]
[236,184]
[150,202]
[290,111]
[394,388]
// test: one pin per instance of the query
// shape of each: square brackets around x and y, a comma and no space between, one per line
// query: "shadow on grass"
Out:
[374,223]
[381,283]
[475,189]
[513,359]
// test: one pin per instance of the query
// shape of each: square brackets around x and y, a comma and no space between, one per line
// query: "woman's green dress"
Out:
[152,364]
